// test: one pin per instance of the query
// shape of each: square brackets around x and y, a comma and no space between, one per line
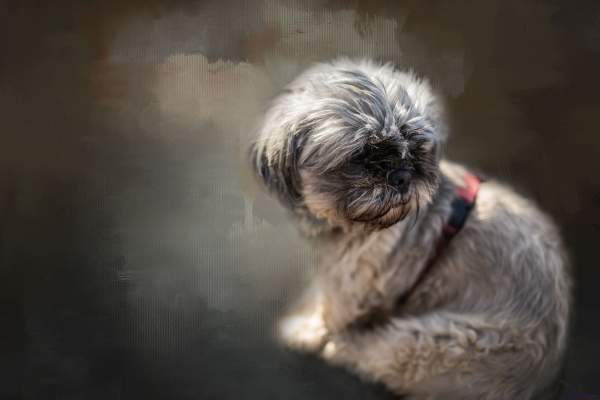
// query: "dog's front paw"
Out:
[304,331]
[339,350]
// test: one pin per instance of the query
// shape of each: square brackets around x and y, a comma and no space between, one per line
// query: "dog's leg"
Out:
[412,355]
[362,292]
[303,328]
[354,298]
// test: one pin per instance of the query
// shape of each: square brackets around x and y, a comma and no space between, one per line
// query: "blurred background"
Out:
[138,257]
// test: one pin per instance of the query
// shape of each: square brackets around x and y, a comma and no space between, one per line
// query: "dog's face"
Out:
[352,143]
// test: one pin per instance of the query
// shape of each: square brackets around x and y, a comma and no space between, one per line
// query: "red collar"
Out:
[462,204]
[461,208]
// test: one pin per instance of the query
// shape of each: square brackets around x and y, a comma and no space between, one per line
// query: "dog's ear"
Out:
[275,156]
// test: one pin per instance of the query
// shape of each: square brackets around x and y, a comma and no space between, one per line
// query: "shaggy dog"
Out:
[434,283]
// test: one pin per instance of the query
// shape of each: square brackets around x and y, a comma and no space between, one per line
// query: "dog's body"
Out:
[353,149]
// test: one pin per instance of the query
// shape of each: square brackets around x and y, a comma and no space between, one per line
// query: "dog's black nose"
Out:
[400,179]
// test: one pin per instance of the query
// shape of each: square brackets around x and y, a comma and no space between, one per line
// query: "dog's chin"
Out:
[394,215]
[373,213]
[383,214]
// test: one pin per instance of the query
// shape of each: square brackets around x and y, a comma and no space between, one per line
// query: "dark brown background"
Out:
[138,258]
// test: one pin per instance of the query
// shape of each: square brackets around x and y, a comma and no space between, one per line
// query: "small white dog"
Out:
[436,284]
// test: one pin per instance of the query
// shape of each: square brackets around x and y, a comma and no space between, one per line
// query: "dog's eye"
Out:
[423,144]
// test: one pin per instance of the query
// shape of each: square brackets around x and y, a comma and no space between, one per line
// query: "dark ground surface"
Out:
[137,259]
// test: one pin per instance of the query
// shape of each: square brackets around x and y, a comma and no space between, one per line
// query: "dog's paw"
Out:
[303,332]
[339,350]
[330,350]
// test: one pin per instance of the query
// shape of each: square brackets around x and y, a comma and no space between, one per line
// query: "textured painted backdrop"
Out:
[139,259]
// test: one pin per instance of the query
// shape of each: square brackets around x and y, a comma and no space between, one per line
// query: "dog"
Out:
[434,282]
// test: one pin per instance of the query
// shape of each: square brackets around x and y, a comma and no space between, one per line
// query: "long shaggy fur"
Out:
[489,321]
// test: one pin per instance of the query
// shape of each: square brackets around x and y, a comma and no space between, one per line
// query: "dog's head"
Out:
[352,143]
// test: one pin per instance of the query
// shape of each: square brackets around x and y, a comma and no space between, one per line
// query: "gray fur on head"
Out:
[328,120]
